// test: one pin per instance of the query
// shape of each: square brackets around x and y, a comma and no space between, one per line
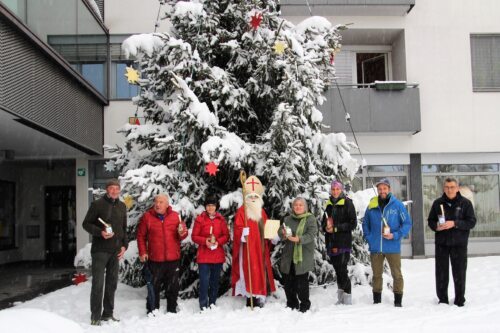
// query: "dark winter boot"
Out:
[398,299]
[377,298]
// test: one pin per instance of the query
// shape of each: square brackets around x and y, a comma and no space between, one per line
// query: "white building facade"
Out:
[433,112]
[443,123]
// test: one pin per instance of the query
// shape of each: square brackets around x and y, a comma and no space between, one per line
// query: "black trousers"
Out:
[297,289]
[457,255]
[339,263]
[166,276]
[104,276]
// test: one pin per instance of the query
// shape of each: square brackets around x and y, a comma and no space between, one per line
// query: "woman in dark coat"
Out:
[338,223]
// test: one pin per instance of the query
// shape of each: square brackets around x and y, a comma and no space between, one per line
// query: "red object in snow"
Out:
[211,168]
[256,19]
[137,122]
[79,278]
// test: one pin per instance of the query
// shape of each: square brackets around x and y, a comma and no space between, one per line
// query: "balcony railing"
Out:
[346,7]
[382,107]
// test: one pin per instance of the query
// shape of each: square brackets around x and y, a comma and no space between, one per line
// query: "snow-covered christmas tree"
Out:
[234,84]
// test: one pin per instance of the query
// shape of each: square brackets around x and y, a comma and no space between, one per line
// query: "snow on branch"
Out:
[147,43]
[204,117]
[148,180]
[313,23]
[229,148]
[335,149]
[183,8]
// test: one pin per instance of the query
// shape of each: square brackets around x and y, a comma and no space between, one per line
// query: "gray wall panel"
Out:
[372,111]
[39,90]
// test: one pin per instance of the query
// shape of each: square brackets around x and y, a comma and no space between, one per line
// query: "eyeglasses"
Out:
[450,187]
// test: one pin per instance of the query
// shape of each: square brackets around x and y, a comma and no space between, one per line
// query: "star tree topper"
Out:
[211,168]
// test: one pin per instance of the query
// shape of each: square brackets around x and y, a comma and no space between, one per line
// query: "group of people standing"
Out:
[161,230]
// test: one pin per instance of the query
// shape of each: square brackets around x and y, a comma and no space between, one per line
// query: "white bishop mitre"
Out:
[253,186]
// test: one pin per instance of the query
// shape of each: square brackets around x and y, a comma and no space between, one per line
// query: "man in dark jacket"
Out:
[338,223]
[159,235]
[106,221]
[451,218]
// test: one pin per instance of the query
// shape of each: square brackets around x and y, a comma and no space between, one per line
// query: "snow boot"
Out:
[377,297]
[347,299]
[398,299]
[95,322]
[340,297]
[109,318]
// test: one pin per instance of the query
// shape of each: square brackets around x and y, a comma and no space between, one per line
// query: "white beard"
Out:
[254,208]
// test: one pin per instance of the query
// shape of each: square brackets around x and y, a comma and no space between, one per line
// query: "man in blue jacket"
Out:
[386,222]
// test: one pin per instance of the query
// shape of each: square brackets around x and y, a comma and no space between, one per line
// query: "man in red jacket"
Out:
[159,236]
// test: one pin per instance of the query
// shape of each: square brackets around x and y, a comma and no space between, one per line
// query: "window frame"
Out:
[476,70]
[457,175]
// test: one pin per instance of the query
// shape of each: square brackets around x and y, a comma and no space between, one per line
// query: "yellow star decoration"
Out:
[132,75]
[279,47]
[128,200]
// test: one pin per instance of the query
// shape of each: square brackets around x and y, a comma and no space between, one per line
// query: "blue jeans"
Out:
[209,283]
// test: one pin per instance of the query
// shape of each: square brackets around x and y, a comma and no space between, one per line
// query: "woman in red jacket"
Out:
[210,233]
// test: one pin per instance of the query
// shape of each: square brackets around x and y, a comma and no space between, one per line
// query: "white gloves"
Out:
[245,232]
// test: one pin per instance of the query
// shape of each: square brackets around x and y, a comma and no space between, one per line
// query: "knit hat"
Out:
[112,182]
[338,184]
[212,199]
[383,181]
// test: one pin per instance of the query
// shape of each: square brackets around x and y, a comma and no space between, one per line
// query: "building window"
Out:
[362,67]
[397,175]
[485,60]
[371,67]
[87,54]
[478,183]
[7,215]
[120,88]
[94,73]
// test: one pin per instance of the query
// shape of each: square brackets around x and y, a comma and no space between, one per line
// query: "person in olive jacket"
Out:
[108,246]
[299,233]
[451,239]
[338,223]
[210,232]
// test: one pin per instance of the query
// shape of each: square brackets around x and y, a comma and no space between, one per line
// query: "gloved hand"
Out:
[244,233]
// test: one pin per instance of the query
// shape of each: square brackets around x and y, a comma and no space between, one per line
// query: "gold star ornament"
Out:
[128,200]
[132,75]
[279,47]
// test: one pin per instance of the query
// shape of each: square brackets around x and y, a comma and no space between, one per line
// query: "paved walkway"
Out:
[23,281]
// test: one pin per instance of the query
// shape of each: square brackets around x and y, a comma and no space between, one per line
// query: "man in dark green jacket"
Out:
[106,221]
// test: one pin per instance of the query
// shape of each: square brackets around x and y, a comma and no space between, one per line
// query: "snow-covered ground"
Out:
[67,310]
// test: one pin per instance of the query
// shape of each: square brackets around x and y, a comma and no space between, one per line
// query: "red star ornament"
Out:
[211,168]
[79,278]
[255,21]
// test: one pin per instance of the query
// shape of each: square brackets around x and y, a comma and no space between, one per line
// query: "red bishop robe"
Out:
[260,259]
